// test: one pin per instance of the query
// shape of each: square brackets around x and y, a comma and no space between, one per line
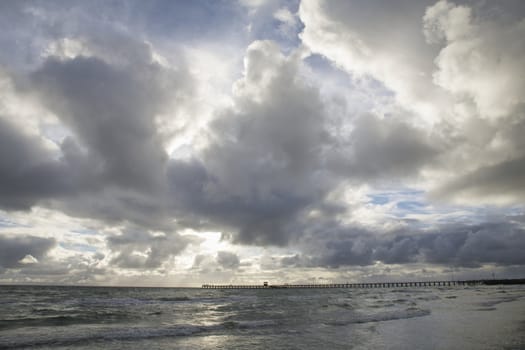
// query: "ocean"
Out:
[475,317]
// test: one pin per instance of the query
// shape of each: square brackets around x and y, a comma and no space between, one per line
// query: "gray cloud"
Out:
[494,173]
[387,148]
[499,243]
[259,219]
[71,270]
[14,248]
[264,164]
[112,111]
[502,180]
[110,102]
[399,250]
[200,206]
[265,170]
[28,172]
[139,249]
[272,156]
[228,260]
[113,167]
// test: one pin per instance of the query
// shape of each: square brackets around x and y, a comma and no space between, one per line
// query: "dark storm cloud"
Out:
[499,243]
[111,110]
[28,172]
[114,206]
[108,95]
[113,167]
[14,248]
[108,100]
[399,250]
[139,249]
[331,244]
[253,218]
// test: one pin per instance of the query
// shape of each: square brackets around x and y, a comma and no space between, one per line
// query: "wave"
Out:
[379,317]
[247,324]
[43,321]
[110,302]
[174,299]
[89,335]
[496,301]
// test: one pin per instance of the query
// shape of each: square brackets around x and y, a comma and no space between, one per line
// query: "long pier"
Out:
[366,285]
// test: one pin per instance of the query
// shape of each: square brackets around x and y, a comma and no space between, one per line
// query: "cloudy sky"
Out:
[177,143]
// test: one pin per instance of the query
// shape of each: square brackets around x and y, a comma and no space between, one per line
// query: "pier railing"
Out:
[366,285]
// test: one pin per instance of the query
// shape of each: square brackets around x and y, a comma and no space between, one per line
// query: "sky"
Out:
[176,143]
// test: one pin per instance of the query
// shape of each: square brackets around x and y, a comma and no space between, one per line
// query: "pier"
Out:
[265,285]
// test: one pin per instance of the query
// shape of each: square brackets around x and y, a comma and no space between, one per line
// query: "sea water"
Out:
[476,317]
